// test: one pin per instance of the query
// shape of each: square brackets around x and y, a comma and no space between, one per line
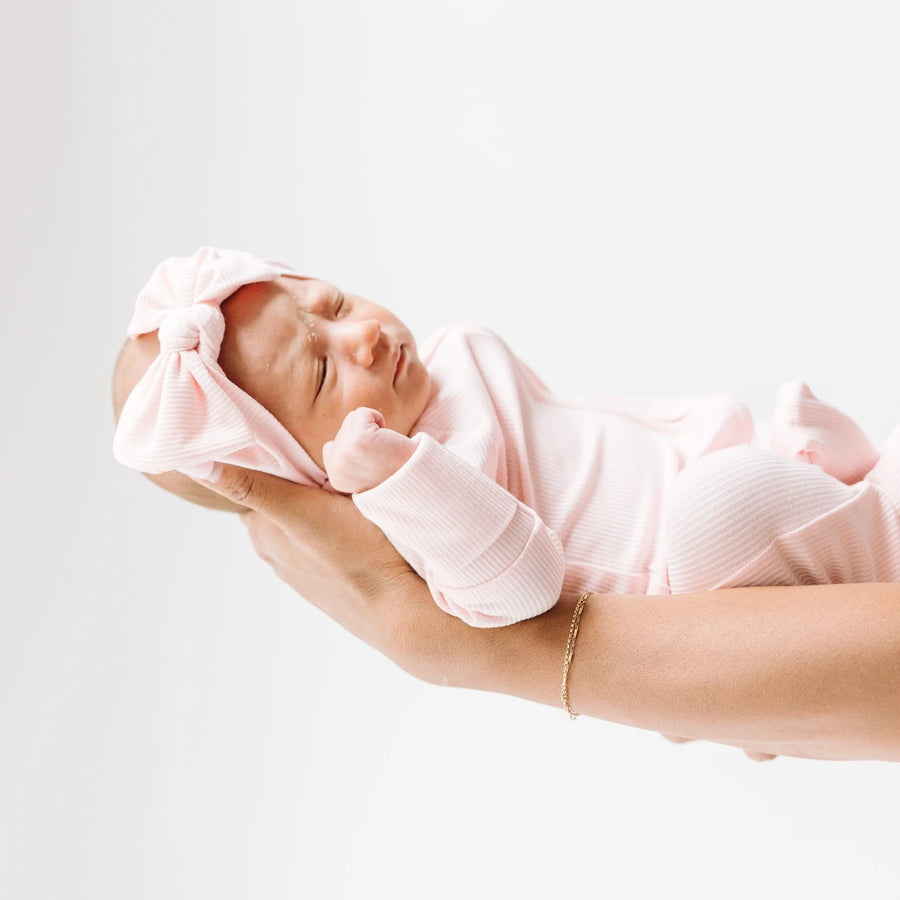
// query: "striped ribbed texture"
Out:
[749,517]
[514,496]
[184,414]
[487,557]
[644,496]
[808,430]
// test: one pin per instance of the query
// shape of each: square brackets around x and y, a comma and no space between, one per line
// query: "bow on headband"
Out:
[184,413]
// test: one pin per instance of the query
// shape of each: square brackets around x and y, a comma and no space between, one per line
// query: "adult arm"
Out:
[810,672]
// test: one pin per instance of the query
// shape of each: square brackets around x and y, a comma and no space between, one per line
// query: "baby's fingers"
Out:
[367,415]
[359,421]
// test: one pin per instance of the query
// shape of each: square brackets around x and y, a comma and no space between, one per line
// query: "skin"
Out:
[341,373]
[312,354]
[811,672]
[133,361]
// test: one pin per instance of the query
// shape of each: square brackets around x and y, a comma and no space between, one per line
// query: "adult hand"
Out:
[810,671]
[321,545]
[755,755]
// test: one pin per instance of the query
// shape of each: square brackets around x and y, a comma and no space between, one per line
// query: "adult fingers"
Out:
[760,757]
[315,520]
[276,498]
[756,755]
[677,740]
[270,541]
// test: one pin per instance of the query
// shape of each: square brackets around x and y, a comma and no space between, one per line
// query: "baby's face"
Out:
[310,353]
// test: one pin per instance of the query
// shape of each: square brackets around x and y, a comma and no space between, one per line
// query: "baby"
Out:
[501,495]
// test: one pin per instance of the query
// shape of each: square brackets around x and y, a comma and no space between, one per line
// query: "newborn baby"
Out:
[500,494]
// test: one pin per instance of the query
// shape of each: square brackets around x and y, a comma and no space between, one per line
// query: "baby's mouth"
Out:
[401,358]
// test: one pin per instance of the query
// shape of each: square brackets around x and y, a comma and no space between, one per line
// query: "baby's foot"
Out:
[806,429]
[886,473]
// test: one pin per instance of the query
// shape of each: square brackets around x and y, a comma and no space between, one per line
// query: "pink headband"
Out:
[184,413]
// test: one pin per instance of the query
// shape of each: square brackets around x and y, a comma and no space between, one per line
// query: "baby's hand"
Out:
[364,453]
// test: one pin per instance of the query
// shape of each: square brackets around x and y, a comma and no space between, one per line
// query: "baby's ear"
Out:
[182,486]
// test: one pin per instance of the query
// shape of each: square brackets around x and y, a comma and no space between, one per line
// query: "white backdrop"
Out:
[642,197]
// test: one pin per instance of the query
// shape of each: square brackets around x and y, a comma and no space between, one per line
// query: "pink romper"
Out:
[515,496]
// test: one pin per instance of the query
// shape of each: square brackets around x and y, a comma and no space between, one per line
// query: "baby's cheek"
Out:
[309,433]
[414,399]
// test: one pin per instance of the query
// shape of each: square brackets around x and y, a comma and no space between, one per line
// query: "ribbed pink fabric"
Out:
[806,429]
[515,496]
[184,414]
[746,517]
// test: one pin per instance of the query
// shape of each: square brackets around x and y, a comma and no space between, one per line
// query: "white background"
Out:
[643,198]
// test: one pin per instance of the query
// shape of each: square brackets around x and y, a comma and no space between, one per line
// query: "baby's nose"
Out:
[362,338]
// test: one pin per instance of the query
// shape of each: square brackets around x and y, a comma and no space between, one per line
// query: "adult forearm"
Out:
[811,671]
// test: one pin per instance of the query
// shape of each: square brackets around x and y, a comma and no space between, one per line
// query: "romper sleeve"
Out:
[487,557]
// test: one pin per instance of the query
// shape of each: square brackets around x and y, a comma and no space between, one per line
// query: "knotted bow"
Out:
[200,327]
[184,414]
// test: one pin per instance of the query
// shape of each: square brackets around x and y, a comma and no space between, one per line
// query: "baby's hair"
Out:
[133,360]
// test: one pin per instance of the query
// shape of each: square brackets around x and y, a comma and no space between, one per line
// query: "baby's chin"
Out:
[426,392]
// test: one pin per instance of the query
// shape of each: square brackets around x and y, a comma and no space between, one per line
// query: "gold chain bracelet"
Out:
[570,650]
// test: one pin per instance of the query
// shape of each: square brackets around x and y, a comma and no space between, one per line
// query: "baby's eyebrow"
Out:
[312,305]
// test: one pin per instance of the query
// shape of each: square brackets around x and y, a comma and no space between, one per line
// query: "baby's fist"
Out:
[364,453]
